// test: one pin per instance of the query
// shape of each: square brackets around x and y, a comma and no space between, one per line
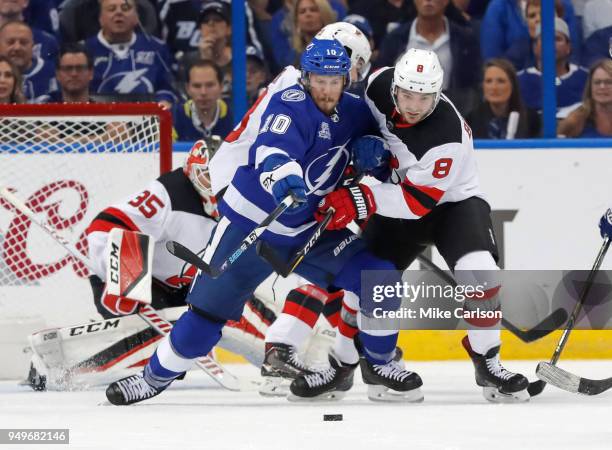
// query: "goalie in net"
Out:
[126,244]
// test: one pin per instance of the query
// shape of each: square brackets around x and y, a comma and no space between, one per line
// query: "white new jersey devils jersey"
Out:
[168,209]
[234,151]
[433,160]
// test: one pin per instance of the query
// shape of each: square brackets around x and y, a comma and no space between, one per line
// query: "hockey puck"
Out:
[332,417]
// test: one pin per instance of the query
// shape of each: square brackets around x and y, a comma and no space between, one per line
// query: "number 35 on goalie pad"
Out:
[129,260]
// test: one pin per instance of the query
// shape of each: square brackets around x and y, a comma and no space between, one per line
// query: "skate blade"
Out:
[275,387]
[325,397]
[378,393]
[493,395]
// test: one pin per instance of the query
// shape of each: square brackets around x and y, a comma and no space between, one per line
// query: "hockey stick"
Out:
[151,317]
[537,387]
[570,382]
[545,327]
[285,268]
[182,252]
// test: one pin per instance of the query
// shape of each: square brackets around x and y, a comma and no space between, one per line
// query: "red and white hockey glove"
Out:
[117,305]
[352,203]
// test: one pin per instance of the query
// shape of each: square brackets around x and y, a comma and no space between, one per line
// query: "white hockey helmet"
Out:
[355,43]
[195,168]
[418,71]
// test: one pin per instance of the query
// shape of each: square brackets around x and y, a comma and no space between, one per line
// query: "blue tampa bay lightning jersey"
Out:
[39,80]
[293,125]
[141,66]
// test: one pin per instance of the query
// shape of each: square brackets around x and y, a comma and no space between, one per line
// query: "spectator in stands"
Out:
[384,15]
[594,116]
[502,114]
[257,73]
[306,18]
[454,45]
[42,15]
[571,78]
[16,43]
[181,30]
[504,32]
[597,28]
[74,73]
[80,19]
[45,43]
[205,113]
[126,64]
[215,44]
[10,82]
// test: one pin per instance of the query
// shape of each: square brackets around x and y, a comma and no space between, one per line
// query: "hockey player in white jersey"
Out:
[169,208]
[431,195]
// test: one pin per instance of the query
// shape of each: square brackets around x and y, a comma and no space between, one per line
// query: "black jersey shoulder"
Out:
[443,126]
[379,90]
[182,194]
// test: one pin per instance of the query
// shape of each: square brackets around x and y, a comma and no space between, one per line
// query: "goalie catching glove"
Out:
[348,204]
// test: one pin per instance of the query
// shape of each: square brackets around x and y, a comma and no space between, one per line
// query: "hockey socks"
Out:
[344,344]
[192,336]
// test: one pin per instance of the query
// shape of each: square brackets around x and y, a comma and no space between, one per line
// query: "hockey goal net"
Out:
[66,162]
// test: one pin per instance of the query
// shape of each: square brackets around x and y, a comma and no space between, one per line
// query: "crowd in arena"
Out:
[178,53]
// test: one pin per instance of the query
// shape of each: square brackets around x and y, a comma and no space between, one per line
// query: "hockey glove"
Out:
[281,176]
[605,224]
[117,305]
[352,203]
[371,156]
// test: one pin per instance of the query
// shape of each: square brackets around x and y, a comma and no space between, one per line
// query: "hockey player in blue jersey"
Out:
[302,150]
[126,62]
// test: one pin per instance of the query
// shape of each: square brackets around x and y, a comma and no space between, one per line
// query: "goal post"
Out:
[66,162]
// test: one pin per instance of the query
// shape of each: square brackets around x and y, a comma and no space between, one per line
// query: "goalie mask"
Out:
[196,169]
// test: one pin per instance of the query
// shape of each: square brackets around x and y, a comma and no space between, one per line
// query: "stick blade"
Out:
[536,387]
[594,387]
[558,377]
[265,251]
[182,252]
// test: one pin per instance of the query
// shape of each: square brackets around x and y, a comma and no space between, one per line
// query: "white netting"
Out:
[66,169]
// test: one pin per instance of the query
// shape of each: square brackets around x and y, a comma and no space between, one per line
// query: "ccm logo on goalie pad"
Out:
[93,327]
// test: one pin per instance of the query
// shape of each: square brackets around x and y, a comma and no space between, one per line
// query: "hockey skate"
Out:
[35,379]
[391,382]
[281,365]
[499,384]
[132,389]
[328,384]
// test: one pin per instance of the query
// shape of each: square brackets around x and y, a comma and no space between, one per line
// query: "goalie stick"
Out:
[146,313]
[537,387]
[544,328]
[182,252]
[569,382]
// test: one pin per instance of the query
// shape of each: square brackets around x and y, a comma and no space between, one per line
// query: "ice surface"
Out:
[195,414]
